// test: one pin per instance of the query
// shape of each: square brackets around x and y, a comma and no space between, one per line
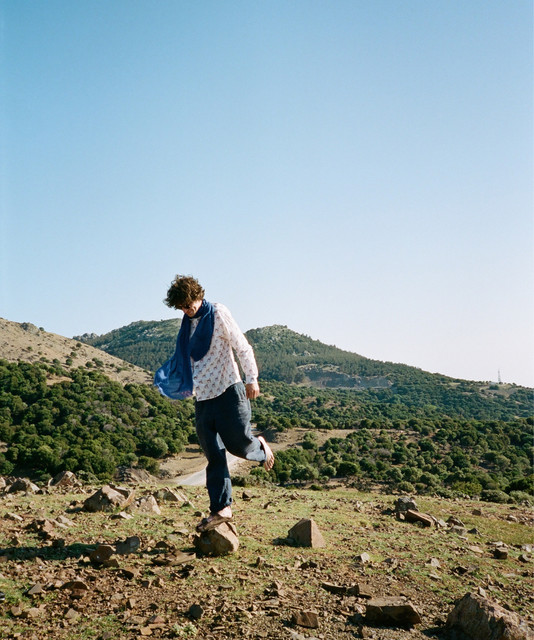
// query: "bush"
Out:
[149,464]
[521,497]
[494,495]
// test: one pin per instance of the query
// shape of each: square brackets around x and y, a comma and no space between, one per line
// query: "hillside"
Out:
[145,344]
[420,432]
[24,342]
[286,356]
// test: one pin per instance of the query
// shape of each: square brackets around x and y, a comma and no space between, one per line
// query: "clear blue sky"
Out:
[360,170]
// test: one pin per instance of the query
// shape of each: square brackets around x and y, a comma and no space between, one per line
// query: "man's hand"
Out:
[253,390]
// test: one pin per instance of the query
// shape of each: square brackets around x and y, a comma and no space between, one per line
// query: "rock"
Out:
[196,611]
[102,553]
[482,619]
[392,611]
[22,484]
[363,558]
[35,590]
[135,476]
[306,533]
[247,496]
[500,553]
[218,541]
[417,516]
[403,504]
[147,504]
[2,482]
[64,479]
[108,498]
[307,619]
[130,545]
[454,521]
[13,516]
[171,495]
[75,585]
[434,562]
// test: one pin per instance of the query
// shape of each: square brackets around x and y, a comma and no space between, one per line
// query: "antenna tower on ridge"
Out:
[499,376]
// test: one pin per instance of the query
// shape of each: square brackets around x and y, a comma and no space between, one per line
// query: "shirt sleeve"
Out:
[239,343]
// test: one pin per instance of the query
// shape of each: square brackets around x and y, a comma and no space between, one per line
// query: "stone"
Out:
[392,611]
[306,533]
[218,541]
[108,498]
[13,516]
[35,589]
[363,558]
[64,521]
[403,504]
[500,553]
[454,521]
[102,553]
[75,585]
[196,611]
[482,619]
[64,479]
[170,495]
[147,504]
[307,619]
[127,546]
[22,484]
[416,516]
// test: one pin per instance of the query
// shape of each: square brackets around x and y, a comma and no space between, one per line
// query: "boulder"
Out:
[218,541]
[22,484]
[417,516]
[403,504]
[147,504]
[482,619]
[306,533]
[64,479]
[395,611]
[109,498]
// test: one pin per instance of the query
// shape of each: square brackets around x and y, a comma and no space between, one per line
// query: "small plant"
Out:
[187,630]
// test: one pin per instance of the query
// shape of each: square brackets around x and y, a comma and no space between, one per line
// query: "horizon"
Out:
[361,172]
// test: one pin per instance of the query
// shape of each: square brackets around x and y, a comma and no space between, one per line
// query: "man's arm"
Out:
[243,350]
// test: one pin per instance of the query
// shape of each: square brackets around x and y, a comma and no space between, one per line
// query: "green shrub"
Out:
[494,495]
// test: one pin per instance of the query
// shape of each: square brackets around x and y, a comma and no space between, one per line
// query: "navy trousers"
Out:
[223,424]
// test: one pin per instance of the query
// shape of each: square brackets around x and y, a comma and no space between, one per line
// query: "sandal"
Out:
[206,524]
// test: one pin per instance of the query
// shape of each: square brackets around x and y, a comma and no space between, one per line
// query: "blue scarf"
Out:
[175,378]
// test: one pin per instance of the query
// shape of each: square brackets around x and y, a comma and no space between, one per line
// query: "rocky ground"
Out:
[134,571]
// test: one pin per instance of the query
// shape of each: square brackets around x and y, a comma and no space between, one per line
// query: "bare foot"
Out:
[269,455]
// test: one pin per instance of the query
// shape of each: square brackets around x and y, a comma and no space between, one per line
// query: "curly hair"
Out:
[183,291]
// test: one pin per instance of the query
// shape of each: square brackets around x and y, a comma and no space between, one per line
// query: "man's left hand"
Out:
[253,390]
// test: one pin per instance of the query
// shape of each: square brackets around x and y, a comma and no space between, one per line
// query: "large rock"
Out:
[109,498]
[482,619]
[147,504]
[392,611]
[404,504]
[306,533]
[218,541]
[64,479]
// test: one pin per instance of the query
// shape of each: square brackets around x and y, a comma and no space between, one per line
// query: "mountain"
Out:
[145,344]
[377,422]
[24,342]
[286,356]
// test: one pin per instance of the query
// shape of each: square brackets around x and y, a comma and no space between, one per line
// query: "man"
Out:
[204,365]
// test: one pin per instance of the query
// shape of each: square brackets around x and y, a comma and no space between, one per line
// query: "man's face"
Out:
[192,308]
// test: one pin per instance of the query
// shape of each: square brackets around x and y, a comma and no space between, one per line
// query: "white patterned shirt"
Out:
[218,370]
